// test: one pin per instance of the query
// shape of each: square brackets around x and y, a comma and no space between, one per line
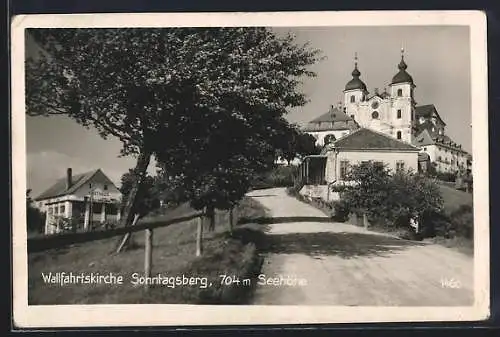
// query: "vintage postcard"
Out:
[249,168]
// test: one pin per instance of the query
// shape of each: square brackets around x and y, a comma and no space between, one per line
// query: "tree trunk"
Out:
[127,216]
[210,218]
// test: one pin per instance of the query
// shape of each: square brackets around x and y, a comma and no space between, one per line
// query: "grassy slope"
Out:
[454,198]
[173,254]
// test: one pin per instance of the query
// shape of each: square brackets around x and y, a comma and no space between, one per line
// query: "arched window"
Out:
[399,114]
[398,135]
[329,138]
[353,98]
[400,92]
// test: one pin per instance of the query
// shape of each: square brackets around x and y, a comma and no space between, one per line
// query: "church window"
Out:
[399,113]
[353,98]
[375,114]
[344,164]
[398,135]
[400,92]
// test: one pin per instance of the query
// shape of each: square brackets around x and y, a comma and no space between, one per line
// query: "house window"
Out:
[399,114]
[61,209]
[105,187]
[439,158]
[90,185]
[398,135]
[400,166]
[425,149]
[400,92]
[378,163]
[344,164]
[49,210]
[353,99]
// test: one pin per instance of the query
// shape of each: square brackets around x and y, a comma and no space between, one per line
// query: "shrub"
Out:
[340,210]
[391,198]
[446,176]
[280,176]
[462,220]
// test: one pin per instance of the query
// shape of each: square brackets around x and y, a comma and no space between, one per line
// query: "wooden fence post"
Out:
[199,236]
[127,236]
[231,219]
[148,254]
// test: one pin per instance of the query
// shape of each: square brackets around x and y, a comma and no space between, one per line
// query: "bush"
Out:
[391,199]
[280,176]
[446,176]
[340,210]
[462,220]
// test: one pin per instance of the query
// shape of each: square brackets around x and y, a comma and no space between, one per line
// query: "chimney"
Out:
[69,178]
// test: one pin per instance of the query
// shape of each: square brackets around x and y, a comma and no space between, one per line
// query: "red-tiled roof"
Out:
[59,188]
[363,138]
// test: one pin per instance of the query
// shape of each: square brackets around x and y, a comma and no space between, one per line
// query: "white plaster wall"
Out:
[410,159]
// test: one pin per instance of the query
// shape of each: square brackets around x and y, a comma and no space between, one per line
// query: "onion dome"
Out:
[402,76]
[355,83]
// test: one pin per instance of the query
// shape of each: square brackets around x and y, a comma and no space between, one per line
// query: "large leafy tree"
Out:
[181,94]
[35,219]
[148,196]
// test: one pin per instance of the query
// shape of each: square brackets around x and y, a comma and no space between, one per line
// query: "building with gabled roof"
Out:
[393,112]
[81,199]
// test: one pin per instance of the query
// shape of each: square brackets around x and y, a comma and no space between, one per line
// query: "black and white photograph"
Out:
[260,168]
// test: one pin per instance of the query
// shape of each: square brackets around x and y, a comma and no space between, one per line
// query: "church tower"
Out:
[403,103]
[355,92]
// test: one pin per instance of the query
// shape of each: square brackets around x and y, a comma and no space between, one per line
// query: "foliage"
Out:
[387,197]
[147,198]
[446,176]
[341,210]
[35,219]
[207,102]
[296,144]
[279,176]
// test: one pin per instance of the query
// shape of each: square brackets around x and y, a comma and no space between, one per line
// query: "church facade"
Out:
[395,113]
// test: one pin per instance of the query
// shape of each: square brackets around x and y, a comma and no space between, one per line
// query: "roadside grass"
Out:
[224,253]
[452,199]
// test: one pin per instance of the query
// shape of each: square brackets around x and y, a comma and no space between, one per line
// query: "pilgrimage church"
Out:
[385,126]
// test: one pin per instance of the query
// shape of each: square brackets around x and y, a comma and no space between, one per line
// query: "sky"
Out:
[438,59]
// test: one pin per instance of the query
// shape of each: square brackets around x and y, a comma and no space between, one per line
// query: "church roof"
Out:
[355,83]
[334,119]
[59,188]
[366,139]
[427,111]
[333,115]
[402,76]
[426,137]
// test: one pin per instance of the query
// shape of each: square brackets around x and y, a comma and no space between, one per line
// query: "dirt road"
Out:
[316,262]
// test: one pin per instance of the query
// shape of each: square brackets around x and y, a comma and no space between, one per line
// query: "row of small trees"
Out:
[208,104]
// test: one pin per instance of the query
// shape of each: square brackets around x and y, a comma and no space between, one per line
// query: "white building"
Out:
[87,198]
[393,112]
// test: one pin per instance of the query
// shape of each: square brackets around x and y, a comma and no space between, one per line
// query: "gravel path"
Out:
[313,261]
